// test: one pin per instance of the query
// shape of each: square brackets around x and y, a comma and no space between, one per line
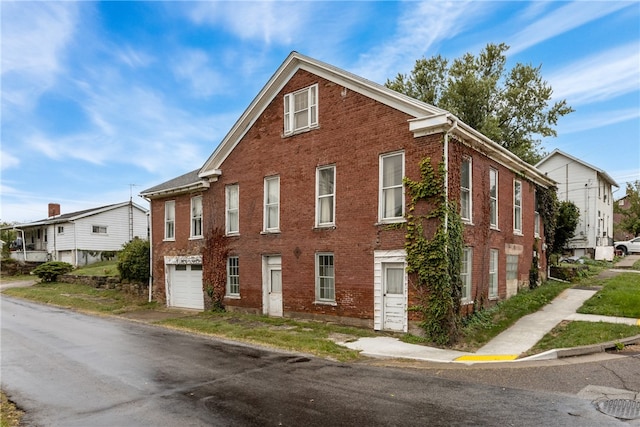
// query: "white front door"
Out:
[393,297]
[272,286]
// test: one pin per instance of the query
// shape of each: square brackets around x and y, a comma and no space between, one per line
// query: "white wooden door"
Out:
[273,285]
[394,309]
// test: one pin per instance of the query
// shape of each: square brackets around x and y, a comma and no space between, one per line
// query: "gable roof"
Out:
[72,216]
[427,118]
[599,171]
[182,184]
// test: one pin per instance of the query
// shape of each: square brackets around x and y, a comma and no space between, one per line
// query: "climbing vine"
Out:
[214,258]
[548,210]
[433,263]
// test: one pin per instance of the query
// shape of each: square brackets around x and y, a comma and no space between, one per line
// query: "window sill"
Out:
[467,222]
[196,237]
[325,227]
[517,233]
[391,221]
[232,296]
[462,302]
[331,303]
[494,228]
[299,131]
[270,232]
[169,240]
[234,234]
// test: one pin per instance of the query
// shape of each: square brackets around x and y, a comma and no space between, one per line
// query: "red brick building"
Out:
[306,198]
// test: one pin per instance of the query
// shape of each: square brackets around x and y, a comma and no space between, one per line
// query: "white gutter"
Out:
[446,171]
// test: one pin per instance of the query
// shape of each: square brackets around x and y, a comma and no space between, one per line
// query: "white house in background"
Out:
[589,188]
[79,238]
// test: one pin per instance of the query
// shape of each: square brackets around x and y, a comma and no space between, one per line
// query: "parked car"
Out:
[628,246]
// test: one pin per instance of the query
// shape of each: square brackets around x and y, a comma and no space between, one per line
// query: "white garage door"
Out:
[186,286]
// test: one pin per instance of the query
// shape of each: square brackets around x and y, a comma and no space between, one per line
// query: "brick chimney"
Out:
[54,209]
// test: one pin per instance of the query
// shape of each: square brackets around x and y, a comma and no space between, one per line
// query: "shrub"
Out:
[49,271]
[133,261]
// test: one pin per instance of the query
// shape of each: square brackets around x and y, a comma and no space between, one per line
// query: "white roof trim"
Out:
[604,174]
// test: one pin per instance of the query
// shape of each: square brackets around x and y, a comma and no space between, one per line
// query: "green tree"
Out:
[512,107]
[630,221]
[7,236]
[133,260]
[566,222]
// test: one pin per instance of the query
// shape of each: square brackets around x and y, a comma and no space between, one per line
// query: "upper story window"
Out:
[493,197]
[465,189]
[60,229]
[517,206]
[272,204]
[391,189]
[326,191]
[170,220]
[98,229]
[301,110]
[232,197]
[196,216]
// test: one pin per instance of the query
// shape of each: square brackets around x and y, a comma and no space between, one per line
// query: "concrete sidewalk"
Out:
[507,346]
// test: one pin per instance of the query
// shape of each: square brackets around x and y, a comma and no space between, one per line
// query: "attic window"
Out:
[301,110]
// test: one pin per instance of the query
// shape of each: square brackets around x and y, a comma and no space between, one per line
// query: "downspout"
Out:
[446,170]
[150,237]
[75,245]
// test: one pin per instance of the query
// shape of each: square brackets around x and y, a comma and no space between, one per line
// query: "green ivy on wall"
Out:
[433,263]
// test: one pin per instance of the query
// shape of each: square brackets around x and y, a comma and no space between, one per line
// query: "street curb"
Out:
[596,348]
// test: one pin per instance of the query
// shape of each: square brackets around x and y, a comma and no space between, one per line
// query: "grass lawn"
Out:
[619,297]
[295,335]
[81,297]
[102,268]
[10,416]
[18,278]
[573,334]
[484,325]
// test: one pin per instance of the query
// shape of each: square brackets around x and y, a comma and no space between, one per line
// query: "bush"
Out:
[49,271]
[133,261]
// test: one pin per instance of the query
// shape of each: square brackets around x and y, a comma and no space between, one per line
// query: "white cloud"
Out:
[266,21]
[34,38]
[134,58]
[585,122]
[193,66]
[599,77]
[421,26]
[8,161]
[561,20]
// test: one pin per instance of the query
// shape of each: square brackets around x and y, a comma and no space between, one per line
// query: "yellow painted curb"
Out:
[638,322]
[486,357]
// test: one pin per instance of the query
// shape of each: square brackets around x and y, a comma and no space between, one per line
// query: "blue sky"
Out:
[98,96]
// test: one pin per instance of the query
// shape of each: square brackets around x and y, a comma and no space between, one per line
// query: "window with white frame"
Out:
[272,204]
[233,276]
[232,198]
[98,229]
[325,190]
[465,274]
[325,278]
[391,188]
[169,220]
[517,206]
[512,267]
[493,197]
[301,110]
[60,229]
[465,189]
[196,216]
[493,273]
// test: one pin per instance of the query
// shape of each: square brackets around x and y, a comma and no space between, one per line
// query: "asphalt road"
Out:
[67,369]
